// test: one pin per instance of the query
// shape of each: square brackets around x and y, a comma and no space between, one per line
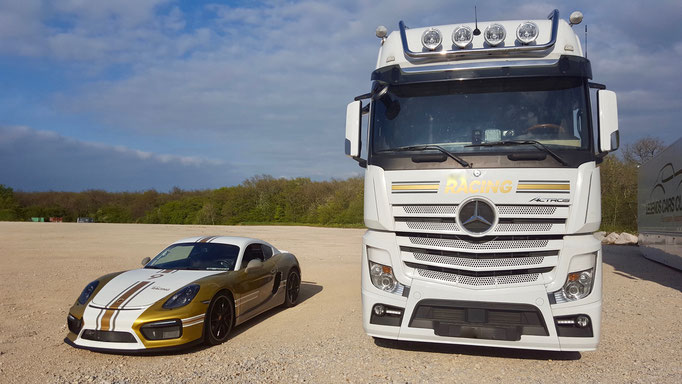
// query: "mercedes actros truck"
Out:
[482,188]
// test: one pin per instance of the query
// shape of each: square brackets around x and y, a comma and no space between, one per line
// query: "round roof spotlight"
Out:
[527,32]
[381,32]
[431,39]
[462,36]
[575,18]
[494,34]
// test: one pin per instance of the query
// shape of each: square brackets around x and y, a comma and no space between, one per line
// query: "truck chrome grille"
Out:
[430,209]
[523,227]
[479,263]
[525,210]
[512,219]
[479,278]
[432,226]
[493,244]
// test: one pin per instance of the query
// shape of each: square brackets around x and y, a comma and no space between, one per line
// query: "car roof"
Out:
[241,242]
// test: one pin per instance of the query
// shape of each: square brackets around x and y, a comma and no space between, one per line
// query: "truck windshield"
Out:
[457,114]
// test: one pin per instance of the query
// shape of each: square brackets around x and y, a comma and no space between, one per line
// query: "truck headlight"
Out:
[382,277]
[578,285]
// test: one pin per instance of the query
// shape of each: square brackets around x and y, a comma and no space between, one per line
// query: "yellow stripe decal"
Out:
[412,187]
[558,187]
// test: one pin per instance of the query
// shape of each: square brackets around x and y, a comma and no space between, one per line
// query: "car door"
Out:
[270,265]
[254,282]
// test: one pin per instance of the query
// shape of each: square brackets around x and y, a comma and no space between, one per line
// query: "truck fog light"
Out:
[379,310]
[431,39]
[462,36]
[527,32]
[382,277]
[494,34]
[582,321]
[578,285]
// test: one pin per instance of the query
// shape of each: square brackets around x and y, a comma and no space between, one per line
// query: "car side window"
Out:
[252,252]
[267,251]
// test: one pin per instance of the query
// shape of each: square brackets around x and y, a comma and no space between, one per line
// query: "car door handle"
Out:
[274,270]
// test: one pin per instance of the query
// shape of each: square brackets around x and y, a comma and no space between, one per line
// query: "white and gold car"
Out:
[194,291]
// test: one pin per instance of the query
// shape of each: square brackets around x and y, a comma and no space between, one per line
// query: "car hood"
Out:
[143,287]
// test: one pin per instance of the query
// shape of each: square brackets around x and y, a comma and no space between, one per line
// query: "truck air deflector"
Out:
[487,52]
[566,66]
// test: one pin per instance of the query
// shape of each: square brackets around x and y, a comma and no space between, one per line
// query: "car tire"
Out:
[293,288]
[219,319]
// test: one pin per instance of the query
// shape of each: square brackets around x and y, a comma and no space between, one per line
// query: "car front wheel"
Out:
[219,319]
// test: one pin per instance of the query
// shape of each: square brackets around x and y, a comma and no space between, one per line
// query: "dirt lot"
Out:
[46,265]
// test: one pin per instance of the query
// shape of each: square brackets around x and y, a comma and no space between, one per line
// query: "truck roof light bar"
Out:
[444,55]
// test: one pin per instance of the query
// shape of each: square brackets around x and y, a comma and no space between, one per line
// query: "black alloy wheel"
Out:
[293,288]
[219,319]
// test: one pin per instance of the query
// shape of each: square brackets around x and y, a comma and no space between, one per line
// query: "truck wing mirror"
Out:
[608,121]
[353,129]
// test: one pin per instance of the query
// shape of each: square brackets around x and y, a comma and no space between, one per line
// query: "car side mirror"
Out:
[609,139]
[254,265]
[146,260]
[353,130]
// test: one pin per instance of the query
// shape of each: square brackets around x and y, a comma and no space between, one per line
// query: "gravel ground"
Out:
[46,265]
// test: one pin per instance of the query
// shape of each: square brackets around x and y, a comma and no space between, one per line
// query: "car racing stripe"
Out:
[206,239]
[113,320]
[105,323]
[102,310]
[188,322]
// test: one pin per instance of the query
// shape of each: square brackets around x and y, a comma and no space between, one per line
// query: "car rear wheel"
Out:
[293,288]
[219,319]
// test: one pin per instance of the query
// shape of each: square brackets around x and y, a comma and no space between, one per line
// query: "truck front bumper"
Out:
[513,301]
[518,316]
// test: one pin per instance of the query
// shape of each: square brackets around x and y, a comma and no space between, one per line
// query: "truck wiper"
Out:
[534,143]
[458,159]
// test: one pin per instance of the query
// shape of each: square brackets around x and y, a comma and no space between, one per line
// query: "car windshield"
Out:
[197,256]
[457,114]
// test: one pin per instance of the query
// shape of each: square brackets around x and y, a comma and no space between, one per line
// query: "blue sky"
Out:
[138,94]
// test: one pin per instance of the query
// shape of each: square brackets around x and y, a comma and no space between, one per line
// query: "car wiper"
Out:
[458,159]
[534,143]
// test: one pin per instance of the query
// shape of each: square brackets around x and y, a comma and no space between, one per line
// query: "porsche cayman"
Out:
[196,290]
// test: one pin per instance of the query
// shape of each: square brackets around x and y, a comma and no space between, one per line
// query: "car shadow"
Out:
[474,350]
[630,263]
[308,290]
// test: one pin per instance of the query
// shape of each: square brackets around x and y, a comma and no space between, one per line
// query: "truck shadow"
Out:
[473,350]
[630,263]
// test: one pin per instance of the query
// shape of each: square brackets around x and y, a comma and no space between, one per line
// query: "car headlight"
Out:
[382,277]
[87,292]
[182,297]
[578,285]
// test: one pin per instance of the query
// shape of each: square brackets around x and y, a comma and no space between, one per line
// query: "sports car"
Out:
[194,291]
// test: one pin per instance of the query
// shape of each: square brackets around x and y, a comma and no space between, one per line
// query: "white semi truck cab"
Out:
[482,189]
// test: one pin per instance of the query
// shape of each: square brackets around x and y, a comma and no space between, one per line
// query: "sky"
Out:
[131,95]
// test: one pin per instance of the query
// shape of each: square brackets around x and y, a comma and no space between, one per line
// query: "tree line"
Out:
[264,199]
[260,199]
